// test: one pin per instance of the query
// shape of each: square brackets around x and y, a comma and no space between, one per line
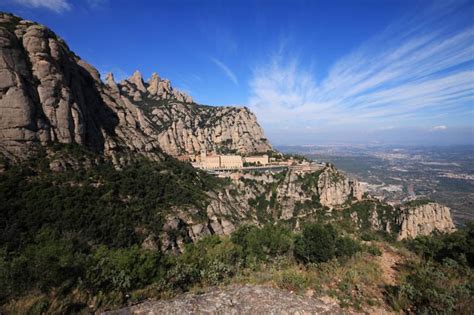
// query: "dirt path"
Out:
[388,263]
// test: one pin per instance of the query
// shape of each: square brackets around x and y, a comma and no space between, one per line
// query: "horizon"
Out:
[391,72]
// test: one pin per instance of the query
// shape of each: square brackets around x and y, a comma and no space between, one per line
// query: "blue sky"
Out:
[313,71]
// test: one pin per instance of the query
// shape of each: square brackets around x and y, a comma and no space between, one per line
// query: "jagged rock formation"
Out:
[155,89]
[187,128]
[248,299]
[256,199]
[50,95]
[424,219]
[334,188]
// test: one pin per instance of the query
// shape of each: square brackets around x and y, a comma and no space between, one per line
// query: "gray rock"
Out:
[236,299]
[425,219]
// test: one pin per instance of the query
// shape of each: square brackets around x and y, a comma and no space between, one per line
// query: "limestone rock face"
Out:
[285,195]
[137,80]
[425,219]
[156,89]
[335,189]
[187,128]
[190,128]
[48,94]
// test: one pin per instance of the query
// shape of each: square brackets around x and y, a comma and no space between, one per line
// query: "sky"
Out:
[313,72]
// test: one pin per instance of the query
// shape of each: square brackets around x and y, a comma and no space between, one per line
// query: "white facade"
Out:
[210,162]
[257,159]
[231,161]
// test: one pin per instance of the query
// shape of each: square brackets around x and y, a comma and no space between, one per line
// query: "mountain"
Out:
[185,127]
[96,210]
[48,94]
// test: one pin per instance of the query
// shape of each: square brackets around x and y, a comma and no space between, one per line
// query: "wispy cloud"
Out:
[418,67]
[439,128]
[226,70]
[54,5]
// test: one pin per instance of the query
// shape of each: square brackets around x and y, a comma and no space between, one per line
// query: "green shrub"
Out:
[181,276]
[213,258]
[292,281]
[346,247]
[374,250]
[317,243]
[432,288]
[263,243]
[42,265]
[369,236]
[320,243]
[123,269]
[458,246]
[39,307]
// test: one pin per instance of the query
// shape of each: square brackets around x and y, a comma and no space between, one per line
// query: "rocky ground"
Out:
[236,299]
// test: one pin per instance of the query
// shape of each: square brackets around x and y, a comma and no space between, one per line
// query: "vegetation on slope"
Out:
[83,227]
[441,279]
[71,241]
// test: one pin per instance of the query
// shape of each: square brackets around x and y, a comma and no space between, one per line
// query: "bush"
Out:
[214,258]
[263,243]
[320,243]
[123,269]
[292,281]
[432,288]
[317,243]
[458,246]
[374,250]
[42,265]
[346,247]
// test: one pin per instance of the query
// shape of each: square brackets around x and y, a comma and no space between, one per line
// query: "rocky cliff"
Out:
[185,127]
[423,219]
[334,188]
[50,95]
[258,199]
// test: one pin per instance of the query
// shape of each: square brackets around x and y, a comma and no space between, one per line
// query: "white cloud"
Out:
[54,5]
[226,70]
[415,69]
[439,128]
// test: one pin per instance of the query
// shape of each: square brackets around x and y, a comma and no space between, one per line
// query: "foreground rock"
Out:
[247,299]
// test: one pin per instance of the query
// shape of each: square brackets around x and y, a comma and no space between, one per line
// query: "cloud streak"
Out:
[54,5]
[439,128]
[226,70]
[418,68]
